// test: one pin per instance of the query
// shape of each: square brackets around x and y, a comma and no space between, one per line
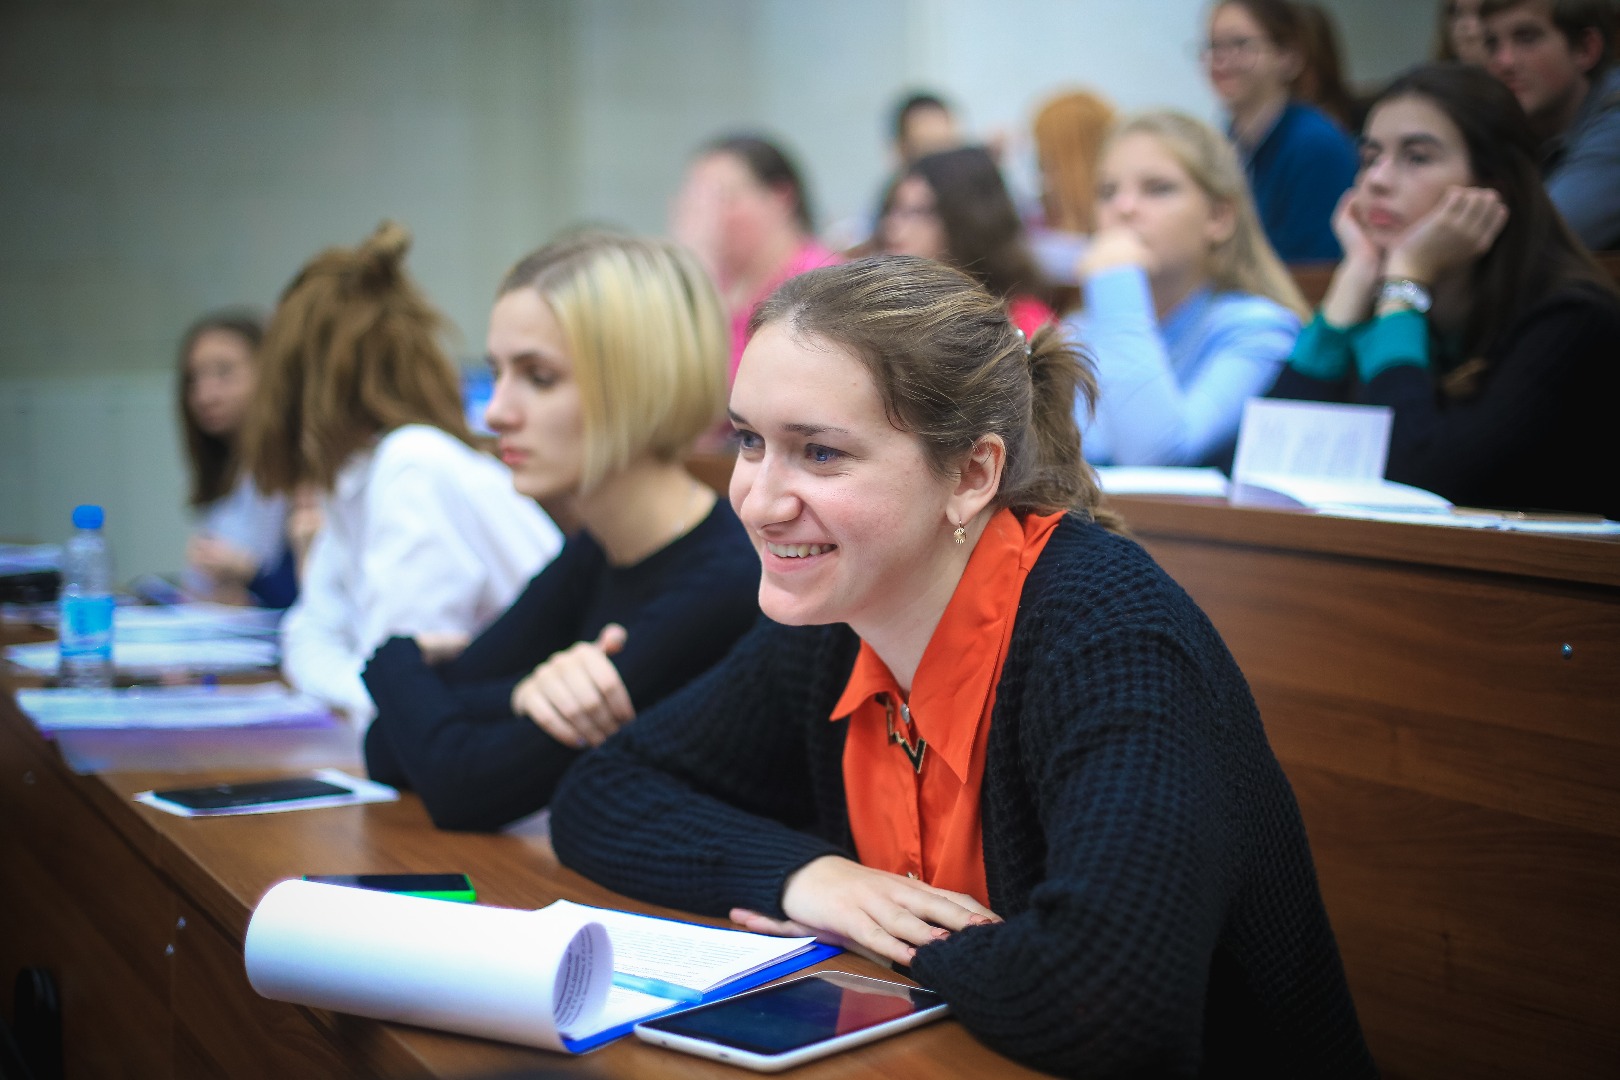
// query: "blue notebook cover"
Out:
[814,955]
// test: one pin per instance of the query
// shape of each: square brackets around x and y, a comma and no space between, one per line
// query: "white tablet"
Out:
[790,1023]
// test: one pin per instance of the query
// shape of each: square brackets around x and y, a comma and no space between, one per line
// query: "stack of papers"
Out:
[171,708]
[149,642]
[152,659]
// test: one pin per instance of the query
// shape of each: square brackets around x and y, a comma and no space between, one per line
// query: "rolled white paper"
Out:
[526,977]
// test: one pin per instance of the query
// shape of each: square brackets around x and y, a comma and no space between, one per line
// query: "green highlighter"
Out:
[454,887]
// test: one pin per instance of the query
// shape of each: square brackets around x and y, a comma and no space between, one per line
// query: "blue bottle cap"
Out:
[87,517]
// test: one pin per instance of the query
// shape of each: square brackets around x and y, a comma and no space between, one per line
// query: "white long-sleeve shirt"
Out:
[422,534]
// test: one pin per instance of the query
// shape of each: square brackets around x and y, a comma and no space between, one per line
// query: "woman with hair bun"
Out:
[423,534]
[1185,306]
[980,734]
[609,356]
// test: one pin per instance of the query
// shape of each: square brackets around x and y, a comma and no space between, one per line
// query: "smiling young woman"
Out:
[1186,307]
[609,356]
[980,734]
[1465,304]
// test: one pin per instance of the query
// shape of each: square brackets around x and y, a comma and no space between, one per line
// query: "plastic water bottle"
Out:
[86,625]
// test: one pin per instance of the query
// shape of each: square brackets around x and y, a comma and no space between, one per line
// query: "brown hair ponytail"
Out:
[352,353]
[951,368]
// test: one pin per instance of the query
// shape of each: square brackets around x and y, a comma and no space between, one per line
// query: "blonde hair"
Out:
[1069,132]
[1245,262]
[648,339]
[352,352]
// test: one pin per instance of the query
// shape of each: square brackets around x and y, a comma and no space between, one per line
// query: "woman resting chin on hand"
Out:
[1464,304]
[1187,310]
[980,734]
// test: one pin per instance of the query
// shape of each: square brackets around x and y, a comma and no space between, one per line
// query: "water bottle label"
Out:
[87,625]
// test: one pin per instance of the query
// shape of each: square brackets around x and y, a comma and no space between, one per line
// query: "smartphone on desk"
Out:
[257,793]
[457,887]
[789,1023]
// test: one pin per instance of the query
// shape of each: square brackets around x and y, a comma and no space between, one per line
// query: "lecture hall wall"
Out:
[162,158]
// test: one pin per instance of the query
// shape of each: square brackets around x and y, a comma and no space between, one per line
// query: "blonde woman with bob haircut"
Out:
[979,733]
[423,533]
[1186,307]
[610,356]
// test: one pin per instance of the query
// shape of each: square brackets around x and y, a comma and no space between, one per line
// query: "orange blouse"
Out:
[913,769]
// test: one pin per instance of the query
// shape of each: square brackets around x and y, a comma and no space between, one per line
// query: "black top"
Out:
[449,731]
[1140,839]
[1538,434]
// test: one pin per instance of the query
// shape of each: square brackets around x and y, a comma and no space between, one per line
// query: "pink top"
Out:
[808,257]
[1028,314]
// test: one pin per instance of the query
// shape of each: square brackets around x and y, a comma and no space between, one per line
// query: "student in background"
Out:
[1465,305]
[923,124]
[1187,310]
[1321,74]
[953,207]
[1460,35]
[609,355]
[979,734]
[1557,56]
[1069,130]
[238,551]
[1298,160]
[745,212]
[423,532]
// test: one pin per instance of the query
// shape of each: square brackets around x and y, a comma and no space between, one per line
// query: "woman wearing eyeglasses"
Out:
[1298,160]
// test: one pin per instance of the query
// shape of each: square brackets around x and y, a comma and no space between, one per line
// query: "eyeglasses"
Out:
[1238,48]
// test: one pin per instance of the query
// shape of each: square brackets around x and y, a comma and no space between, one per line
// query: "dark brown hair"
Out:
[1321,73]
[983,233]
[212,460]
[1573,18]
[1536,254]
[1279,19]
[950,368]
[352,353]
[770,165]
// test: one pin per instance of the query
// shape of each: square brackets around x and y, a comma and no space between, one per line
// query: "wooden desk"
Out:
[141,917]
[1447,705]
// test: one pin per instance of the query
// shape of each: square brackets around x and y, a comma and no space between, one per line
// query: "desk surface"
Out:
[209,873]
[1446,704]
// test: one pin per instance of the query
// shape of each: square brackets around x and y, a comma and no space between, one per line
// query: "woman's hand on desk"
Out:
[880,915]
[576,696]
[223,562]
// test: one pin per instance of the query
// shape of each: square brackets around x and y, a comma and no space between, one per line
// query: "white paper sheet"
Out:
[1300,438]
[1161,480]
[151,658]
[170,707]
[526,977]
[684,959]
